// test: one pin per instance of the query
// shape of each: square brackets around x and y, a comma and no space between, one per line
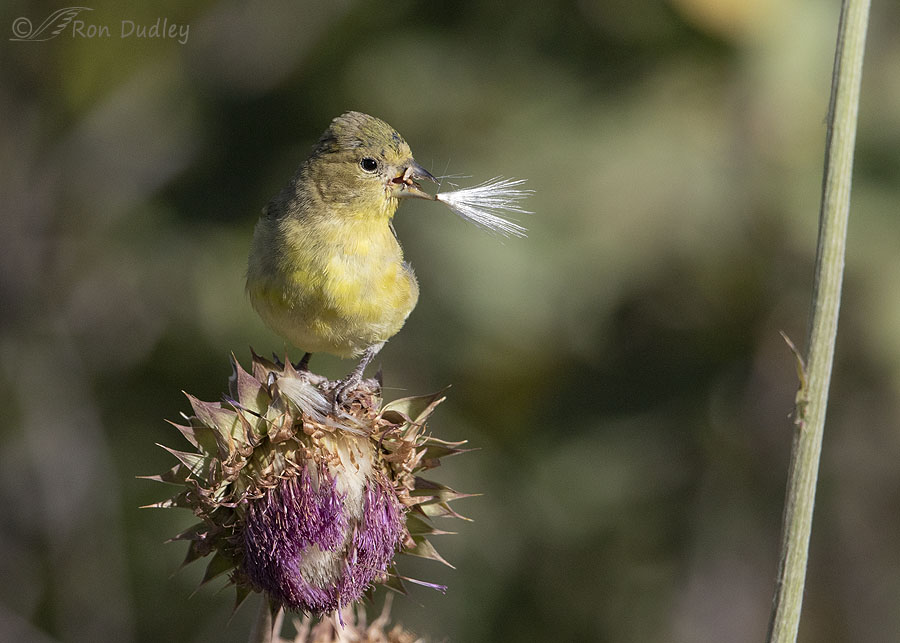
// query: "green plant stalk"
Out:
[813,395]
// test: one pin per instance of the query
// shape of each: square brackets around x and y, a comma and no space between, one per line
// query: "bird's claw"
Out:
[342,392]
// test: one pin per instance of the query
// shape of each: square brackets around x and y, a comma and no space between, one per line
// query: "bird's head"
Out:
[363,164]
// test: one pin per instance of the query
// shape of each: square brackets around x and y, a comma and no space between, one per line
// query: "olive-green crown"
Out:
[354,130]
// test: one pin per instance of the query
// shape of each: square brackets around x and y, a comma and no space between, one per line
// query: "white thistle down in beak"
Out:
[485,204]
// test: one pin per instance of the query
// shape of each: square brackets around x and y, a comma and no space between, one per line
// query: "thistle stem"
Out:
[813,395]
[267,626]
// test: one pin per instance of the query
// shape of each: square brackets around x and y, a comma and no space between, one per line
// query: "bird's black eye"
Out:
[368,164]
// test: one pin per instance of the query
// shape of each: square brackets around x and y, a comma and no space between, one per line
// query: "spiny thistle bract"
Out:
[299,502]
[352,626]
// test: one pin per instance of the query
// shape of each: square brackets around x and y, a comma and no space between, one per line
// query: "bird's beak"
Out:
[406,186]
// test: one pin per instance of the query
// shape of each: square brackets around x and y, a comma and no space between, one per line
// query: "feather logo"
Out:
[23,30]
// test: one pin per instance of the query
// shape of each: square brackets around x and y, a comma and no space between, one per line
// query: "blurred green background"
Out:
[620,370]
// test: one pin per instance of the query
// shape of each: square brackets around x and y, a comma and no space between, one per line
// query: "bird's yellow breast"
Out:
[330,285]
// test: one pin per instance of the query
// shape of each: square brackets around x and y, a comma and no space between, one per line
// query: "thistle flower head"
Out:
[302,505]
[486,203]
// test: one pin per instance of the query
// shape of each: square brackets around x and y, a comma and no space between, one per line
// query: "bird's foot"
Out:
[342,392]
[353,388]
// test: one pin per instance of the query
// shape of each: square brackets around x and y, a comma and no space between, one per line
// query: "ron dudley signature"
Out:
[69,22]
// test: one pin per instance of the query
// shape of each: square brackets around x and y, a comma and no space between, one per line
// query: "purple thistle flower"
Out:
[307,550]
[302,503]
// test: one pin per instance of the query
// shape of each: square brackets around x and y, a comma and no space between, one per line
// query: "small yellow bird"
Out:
[326,271]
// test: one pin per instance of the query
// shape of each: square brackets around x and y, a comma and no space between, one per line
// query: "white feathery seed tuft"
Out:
[486,203]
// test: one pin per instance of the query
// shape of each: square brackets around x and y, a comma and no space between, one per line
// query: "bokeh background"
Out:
[620,371]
